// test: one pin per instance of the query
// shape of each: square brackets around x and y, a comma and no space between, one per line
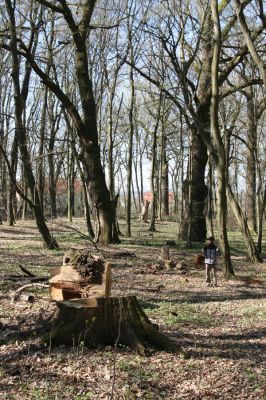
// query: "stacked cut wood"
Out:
[198,261]
[81,276]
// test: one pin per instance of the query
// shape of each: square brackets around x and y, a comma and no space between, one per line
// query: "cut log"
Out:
[81,276]
[198,260]
[105,321]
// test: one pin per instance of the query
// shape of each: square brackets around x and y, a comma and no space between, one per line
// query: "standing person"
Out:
[210,254]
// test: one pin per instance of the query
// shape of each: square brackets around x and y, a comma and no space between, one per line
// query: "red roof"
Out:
[148,196]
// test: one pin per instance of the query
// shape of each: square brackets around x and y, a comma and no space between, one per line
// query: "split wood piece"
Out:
[68,283]
[198,260]
[105,321]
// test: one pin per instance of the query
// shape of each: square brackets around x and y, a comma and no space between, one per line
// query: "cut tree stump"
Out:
[165,258]
[105,321]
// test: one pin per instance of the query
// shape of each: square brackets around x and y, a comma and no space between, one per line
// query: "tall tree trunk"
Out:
[261,212]
[252,252]
[182,155]
[250,43]
[52,186]
[141,172]
[85,196]
[41,161]
[194,223]
[25,190]
[20,132]
[210,211]
[194,218]
[251,161]
[221,156]
[154,170]
[70,181]
[11,191]
[137,181]
[164,174]
[130,145]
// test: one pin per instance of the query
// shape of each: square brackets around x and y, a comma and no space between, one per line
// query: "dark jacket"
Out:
[210,253]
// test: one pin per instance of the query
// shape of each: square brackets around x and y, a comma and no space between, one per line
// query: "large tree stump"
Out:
[105,321]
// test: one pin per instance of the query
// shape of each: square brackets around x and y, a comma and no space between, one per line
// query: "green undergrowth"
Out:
[142,378]
[184,314]
[252,312]
[54,392]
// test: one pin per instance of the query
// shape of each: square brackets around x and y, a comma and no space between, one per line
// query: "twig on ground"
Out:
[33,278]
[17,293]
[26,271]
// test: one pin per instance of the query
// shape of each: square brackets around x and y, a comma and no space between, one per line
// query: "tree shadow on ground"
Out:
[207,297]
[235,346]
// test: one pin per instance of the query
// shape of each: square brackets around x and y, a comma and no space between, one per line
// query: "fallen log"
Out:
[105,321]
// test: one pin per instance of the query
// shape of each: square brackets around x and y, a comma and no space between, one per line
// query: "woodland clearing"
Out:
[222,330]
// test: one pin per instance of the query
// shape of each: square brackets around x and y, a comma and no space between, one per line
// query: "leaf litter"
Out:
[222,331]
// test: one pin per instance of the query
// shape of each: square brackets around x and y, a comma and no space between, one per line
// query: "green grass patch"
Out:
[141,377]
[185,314]
[54,391]
[252,313]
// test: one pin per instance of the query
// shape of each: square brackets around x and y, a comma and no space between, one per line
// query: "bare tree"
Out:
[20,96]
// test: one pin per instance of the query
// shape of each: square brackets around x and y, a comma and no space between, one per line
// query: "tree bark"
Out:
[221,156]
[85,195]
[261,212]
[239,8]
[194,203]
[106,321]
[164,175]
[20,132]
[210,205]
[130,145]
[40,180]
[11,191]
[252,252]
[251,161]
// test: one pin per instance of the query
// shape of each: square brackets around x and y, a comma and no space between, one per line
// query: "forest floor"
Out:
[222,330]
